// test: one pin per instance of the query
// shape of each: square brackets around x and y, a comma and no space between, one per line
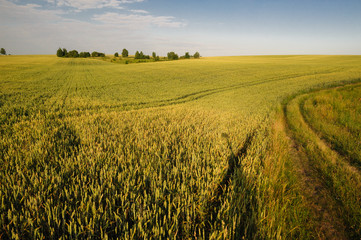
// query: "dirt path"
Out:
[324,208]
[318,196]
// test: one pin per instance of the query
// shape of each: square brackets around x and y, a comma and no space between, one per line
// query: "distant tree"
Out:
[137,55]
[187,56]
[84,54]
[87,54]
[65,53]
[157,58]
[197,55]
[172,56]
[125,53]
[141,55]
[59,53]
[116,54]
[73,54]
[154,55]
[97,54]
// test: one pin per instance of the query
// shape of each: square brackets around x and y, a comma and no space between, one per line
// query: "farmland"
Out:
[204,148]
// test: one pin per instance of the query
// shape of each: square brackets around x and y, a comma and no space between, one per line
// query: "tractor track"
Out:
[325,206]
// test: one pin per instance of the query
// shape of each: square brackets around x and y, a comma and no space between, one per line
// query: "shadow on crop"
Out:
[246,226]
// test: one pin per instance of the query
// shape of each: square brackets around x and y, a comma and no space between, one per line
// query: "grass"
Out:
[94,149]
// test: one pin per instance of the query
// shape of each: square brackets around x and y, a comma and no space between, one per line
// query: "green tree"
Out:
[172,56]
[141,55]
[125,53]
[154,55]
[97,54]
[197,55]
[116,54]
[84,54]
[65,53]
[3,51]
[187,56]
[59,53]
[73,54]
[137,55]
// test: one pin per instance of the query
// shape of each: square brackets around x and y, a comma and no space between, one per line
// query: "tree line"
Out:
[170,55]
[174,56]
[75,54]
[138,55]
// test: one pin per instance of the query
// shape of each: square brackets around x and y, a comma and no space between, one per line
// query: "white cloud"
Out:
[13,13]
[139,11]
[131,1]
[30,5]
[92,4]
[30,29]
[139,21]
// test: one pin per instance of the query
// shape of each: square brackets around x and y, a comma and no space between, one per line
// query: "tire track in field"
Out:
[323,207]
[353,162]
[323,201]
[54,81]
[200,94]
[64,86]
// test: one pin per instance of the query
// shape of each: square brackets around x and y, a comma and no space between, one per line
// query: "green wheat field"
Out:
[209,148]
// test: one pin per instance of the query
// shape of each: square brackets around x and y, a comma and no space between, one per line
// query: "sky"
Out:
[212,27]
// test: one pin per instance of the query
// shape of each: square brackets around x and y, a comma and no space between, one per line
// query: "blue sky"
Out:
[213,27]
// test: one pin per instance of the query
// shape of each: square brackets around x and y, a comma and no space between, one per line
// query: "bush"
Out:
[197,55]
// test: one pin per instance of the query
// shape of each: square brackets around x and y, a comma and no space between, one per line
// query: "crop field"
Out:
[261,147]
